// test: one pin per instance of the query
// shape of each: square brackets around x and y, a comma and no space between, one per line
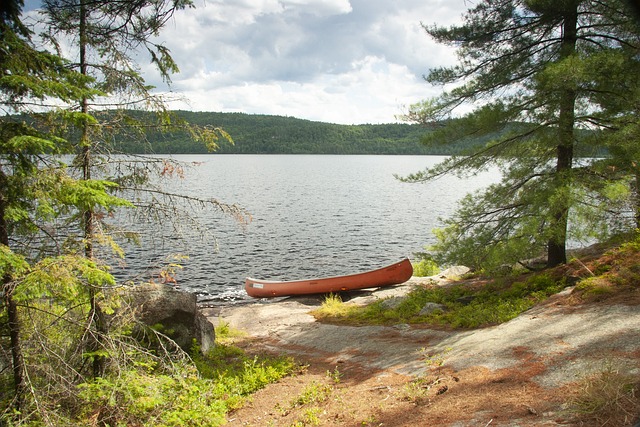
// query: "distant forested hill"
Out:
[265,134]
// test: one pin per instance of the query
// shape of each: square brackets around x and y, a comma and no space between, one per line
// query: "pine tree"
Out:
[31,184]
[525,70]
[62,287]
[106,37]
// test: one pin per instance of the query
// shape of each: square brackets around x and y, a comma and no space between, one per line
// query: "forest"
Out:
[268,134]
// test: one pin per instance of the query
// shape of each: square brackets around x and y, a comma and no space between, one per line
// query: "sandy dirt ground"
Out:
[521,373]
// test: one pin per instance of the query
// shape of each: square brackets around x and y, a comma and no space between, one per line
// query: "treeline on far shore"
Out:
[267,134]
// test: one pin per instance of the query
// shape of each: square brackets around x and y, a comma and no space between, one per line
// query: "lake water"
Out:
[312,216]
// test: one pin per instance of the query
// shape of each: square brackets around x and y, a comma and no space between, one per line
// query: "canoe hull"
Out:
[392,274]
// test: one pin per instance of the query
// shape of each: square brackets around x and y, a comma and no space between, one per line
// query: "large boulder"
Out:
[175,313]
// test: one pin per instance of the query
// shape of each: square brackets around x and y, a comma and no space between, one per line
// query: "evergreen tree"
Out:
[106,36]
[525,67]
[59,291]
[33,187]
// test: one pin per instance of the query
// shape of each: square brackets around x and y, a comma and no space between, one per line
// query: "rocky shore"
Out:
[547,348]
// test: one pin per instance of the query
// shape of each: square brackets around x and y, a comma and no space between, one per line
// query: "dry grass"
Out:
[609,398]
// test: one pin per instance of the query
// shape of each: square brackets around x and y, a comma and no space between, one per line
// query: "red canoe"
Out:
[393,274]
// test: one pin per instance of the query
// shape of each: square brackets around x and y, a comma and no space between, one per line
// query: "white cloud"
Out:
[318,7]
[342,61]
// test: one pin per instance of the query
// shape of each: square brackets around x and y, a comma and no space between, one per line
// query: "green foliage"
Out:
[153,400]
[465,307]
[35,74]
[237,374]
[65,278]
[548,93]
[226,334]
[262,134]
[91,194]
[315,393]
[140,388]
[332,306]
[425,267]
[12,265]
[335,376]
[312,394]
[617,271]
[417,390]
[311,417]
[61,312]
[632,246]
[594,287]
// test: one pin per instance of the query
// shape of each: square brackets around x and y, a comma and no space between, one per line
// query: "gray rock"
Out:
[402,327]
[431,307]
[175,311]
[391,303]
[454,272]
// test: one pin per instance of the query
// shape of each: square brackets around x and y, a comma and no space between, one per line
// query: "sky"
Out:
[337,61]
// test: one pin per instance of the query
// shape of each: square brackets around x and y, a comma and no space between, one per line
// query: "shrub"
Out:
[139,398]
[425,267]
[187,397]
[594,287]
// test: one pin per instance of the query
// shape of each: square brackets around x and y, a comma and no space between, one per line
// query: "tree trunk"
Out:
[556,247]
[17,358]
[96,316]
[637,197]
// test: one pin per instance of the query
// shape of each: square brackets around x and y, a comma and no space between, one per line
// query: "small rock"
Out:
[454,272]
[402,326]
[465,300]
[442,390]
[431,307]
[566,291]
[391,303]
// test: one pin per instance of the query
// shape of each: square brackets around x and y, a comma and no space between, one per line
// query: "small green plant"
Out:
[311,417]
[434,360]
[609,397]
[332,306]
[594,287]
[417,390]
[334,376]
[371,420]
[312,394]
[222,329]
[425,267]
[225,333]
